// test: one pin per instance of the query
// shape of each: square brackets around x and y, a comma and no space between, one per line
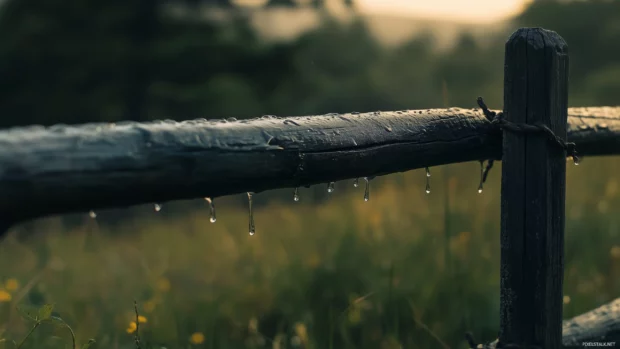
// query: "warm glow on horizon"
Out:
[477,11]
[460,10]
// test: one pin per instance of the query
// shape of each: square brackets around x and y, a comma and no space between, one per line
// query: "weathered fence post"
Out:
[533,189]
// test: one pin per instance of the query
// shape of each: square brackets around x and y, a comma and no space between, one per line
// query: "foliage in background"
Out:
[84,61]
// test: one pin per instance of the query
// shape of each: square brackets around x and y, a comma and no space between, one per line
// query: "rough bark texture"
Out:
[77,168]
[533,190]
[599,325]
[596,131]
[62,169]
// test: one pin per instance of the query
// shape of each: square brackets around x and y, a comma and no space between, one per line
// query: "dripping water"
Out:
[367,190]
[356,182]
[331,187]
[428,181]
[252,229]
[481,177]
[212,209]
[92,214]
[296,194]
[157,207]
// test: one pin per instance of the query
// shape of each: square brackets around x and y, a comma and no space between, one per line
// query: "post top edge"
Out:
[539,38]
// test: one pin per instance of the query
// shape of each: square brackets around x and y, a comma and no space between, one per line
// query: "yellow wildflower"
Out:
[253,325]
[355,315]
[149,306]
[11,284]
[141,319]
[163,284]
[197,338]
[301,331]
[5,296]
[566,299]
[464,237]
[313,260]
[132,327]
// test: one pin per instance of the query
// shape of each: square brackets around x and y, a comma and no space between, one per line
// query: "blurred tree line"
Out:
[270,3]
[80,61]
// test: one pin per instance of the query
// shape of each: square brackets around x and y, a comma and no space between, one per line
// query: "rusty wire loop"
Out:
[504,125]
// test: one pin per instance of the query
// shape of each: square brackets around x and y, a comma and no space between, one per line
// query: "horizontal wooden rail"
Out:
[599,325]
[61,169]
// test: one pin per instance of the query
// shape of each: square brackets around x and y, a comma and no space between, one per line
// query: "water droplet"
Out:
[157,207]
[356,182]
[428,172]
[92,214]
[367,191]
[428,181]
[331,187]
[481,177]
[296,194]
[576,160]
[212,209]
[252,228]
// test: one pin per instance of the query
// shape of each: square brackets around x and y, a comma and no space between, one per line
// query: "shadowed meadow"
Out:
[404,270]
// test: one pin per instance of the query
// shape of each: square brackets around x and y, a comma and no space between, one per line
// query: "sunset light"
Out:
[470,11]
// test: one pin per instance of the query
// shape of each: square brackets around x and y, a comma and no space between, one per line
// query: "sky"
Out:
[473,11]
[459,10]
[442,17]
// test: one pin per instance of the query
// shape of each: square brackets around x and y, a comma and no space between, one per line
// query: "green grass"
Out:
[405,268]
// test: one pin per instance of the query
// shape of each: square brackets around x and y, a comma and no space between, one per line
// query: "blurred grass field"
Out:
[404,270]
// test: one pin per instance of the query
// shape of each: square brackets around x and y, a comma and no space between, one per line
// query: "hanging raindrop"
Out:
[428,181]
[251,226]
[92,214]
[331,187]
[367,191]
[157,207]
[296,194]
[576,160]
[212,209]
[481,177]
[356,182]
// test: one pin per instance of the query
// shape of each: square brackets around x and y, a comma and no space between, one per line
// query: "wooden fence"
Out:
[61,169]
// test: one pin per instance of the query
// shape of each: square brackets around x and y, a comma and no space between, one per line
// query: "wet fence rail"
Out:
[62,169]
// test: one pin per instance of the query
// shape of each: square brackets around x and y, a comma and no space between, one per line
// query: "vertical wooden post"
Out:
[533,190]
